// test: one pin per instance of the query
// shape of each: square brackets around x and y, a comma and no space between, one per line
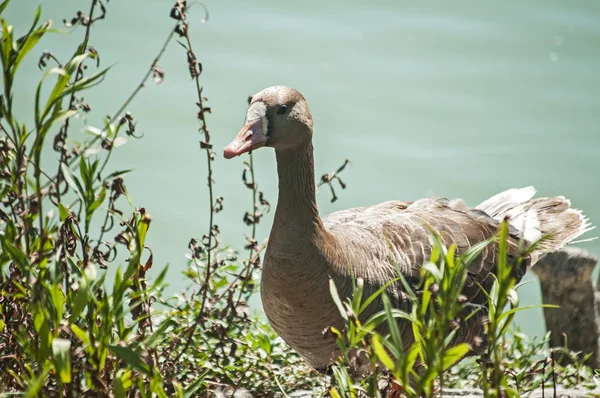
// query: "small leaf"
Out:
[58,301]
[375,295]
[265,343]
[434,271]
[94,205]
[392,324]
[154,339]
[122,383]
[94,131]
[117,173]
[84,172]
[132,358]
[81,334]
[336,299]
[35,385]
[61,352]
[413,353]
[118,141]
[191,389]
[31,39]
[16,253]
[454,354]
[333,393]
[63,212]
[3,5]
[475,251]
[382,353]
[73,182]
[81,300]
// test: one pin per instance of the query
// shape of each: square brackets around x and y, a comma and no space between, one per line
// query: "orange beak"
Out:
[250,137]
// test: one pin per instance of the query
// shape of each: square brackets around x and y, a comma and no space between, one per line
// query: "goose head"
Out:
[277,117]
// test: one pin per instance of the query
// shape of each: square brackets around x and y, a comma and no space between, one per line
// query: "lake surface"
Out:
[425,98]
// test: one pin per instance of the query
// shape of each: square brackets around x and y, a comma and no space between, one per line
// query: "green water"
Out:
[457,99]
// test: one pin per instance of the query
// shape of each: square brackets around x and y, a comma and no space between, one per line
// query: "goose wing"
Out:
[399,234]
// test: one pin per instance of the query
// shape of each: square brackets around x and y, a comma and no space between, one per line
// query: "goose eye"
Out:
[282,109]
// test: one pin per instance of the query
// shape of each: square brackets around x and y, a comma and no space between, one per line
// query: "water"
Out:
[425,98]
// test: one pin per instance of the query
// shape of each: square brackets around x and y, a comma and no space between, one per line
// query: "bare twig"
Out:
[209,241]
[329,178]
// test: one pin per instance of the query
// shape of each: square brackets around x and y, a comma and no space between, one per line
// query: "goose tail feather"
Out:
[549,222]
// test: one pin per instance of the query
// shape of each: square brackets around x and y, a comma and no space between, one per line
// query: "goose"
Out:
[304,250]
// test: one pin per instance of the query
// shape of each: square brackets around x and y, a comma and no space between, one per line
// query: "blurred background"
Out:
[460,100]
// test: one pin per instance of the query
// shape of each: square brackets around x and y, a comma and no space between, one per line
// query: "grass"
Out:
[65,231]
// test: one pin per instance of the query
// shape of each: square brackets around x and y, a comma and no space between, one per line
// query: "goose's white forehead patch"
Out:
[256,111]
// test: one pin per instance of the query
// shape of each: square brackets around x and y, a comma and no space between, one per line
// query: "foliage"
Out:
[79,315]
[528,365]
[63,329]
[446,329]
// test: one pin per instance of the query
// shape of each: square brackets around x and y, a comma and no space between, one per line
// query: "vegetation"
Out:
[440,313]
[79,315]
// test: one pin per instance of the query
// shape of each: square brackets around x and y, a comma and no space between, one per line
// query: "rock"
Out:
[566,280]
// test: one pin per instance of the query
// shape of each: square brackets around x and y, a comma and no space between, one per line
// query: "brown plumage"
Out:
[304,250]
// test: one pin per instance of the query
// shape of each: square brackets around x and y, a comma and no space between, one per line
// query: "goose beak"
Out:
[250,137]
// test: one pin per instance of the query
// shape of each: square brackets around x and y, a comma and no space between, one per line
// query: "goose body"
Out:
[305,251]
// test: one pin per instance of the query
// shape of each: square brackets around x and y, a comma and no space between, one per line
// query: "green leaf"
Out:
[411,357]
[470,255]
[336,299]
[191,389]
[118,388]
[30,41]
[357,294]
[122,383]
[375,295]
[3,5]
[154,339]
[81,334]
[392,323]
[81,300]
[85,83]
[84,172]
[454,354]
[96,203]
[434,271]
[57,117]
[73,182]
[63,212]
[382,353]
[61,353]
[333,393]
[16,253]
[91,206]
[57,301]
[132,358]
[264,342]
[336,332]
[35,385]
[62,81]
[502,265]
[142,229]
[161,277]
[6,44]
[118,173]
